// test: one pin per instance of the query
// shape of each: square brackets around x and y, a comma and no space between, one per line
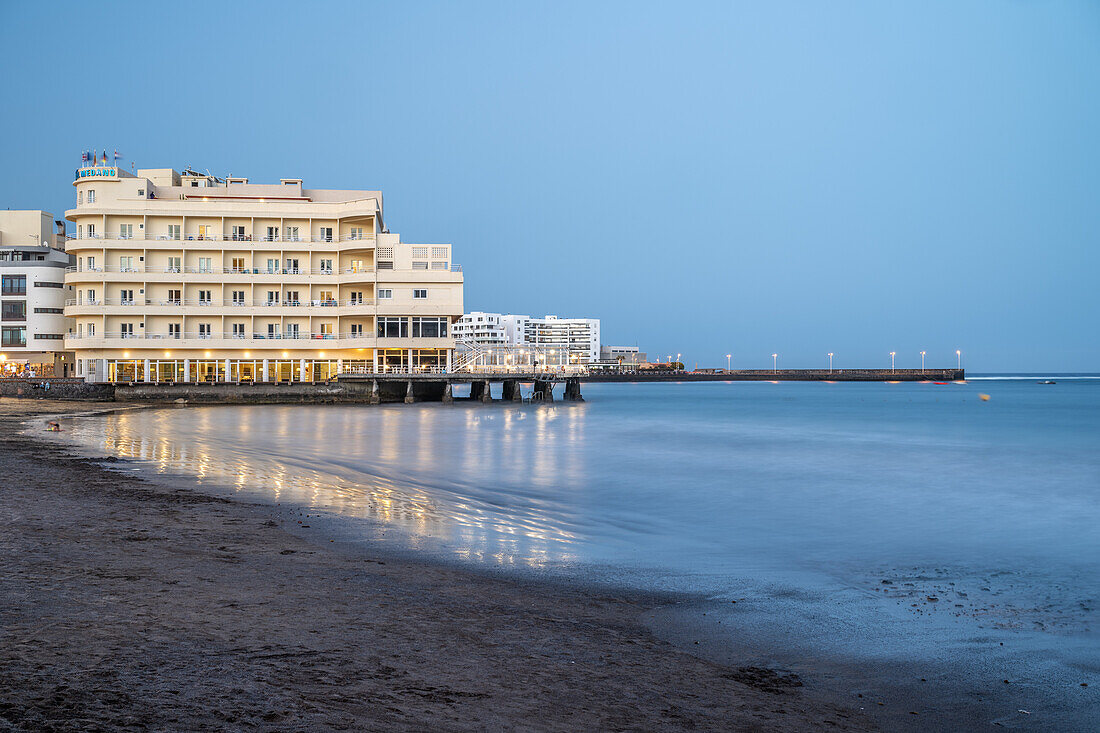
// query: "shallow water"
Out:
[983,517]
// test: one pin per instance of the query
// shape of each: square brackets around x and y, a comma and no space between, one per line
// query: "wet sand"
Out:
[125,604]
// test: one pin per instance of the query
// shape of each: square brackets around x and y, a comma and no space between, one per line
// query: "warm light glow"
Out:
[3,357]
[125,354]
[206,353]
[247,354]
[167,353]
[286,353]
[321,354]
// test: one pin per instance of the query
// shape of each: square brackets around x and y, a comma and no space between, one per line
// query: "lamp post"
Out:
[830,362]
[728,357]
[678,362]
[892,354]
[959,354]
[922,362]
[775,363]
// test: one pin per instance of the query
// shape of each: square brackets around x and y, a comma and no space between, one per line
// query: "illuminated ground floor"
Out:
[14,363]
[288,366]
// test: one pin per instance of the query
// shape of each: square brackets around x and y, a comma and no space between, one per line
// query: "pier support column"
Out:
[545,388]
[375,397]
[573,390]
[512,391]
[410,397]
[479,391]
[448,397]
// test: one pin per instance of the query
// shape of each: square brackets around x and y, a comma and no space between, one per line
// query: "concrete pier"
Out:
[512,391]
[573,390]
[544,391]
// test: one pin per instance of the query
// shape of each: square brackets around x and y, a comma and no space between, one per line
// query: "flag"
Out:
[83,157]
[104,156]
[117,156]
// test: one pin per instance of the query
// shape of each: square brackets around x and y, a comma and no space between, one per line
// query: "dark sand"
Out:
[129,605]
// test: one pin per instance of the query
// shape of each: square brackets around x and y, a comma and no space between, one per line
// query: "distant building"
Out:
[625,355]
[33,294]
[562,340]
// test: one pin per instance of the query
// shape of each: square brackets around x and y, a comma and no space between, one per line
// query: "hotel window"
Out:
[385,264]
[439,265]
[91,329]
[291,331]
[14,310]
[439,252]
[173,231]
[237,264]
[420,265]
[204,297]
[174,297]
[13,285]
[292,298]
[272,297]
[238,297]
[356,233]
[79,198]
[126,330]
[91,264]
[91,231]
[292,234]
[204,265]
[173,330]
[429,327]
[385,294]
[291,267]
[91,297]
[272,234]
[204,330]
[326,234]
[326,267]
[326,330]
[125,231]
[420,294]
[272,267]
[391,327]
[356,298]
[324,297]
[206,231]
[357,266]
[126,297]
[420,251]
[238,330]
[91,195]
[126,264]
[239,233]
[273,330]
[356,330]
[173,265]
[13,336]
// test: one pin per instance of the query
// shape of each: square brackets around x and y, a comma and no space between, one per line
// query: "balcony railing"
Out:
[193,237]
[188,269]
[207,335]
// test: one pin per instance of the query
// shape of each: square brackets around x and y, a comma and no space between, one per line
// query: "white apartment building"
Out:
[568,340]
[33,294]
[184,276]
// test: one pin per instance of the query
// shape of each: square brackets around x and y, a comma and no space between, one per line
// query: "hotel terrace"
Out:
[188,277]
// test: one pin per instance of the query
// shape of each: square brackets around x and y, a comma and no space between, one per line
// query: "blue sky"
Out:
[791,177]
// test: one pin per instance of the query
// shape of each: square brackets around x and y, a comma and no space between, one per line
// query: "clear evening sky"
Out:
[791,177]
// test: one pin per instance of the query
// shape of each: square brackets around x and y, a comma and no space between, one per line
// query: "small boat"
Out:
[1047,381]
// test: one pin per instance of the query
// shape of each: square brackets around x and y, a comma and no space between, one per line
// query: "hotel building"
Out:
[32,295]
[510,338]
[190,277]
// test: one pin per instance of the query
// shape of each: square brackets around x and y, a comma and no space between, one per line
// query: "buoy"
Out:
[983,397]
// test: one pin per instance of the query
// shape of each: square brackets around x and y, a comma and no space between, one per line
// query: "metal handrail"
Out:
[195,237]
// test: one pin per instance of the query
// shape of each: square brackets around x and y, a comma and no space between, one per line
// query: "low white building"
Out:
[483,329]
[33,294]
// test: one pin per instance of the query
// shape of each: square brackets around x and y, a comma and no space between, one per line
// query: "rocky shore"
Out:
[125,605]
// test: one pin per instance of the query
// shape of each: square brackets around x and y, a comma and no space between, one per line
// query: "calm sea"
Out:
[911,520]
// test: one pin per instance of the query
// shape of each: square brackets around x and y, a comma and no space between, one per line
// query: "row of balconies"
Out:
[255,302]
[227,270]
[254,340]
[366,239]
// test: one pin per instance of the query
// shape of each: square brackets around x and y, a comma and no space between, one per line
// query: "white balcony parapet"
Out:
[192,237]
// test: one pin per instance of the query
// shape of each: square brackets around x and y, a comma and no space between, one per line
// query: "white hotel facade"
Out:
[563,340]
[189,277]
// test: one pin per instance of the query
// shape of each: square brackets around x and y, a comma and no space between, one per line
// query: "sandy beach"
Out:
[129,605]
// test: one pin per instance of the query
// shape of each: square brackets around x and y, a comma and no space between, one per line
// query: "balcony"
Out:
[143,270]
[366,240]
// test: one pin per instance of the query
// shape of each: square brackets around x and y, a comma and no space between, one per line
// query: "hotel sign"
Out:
[97,172]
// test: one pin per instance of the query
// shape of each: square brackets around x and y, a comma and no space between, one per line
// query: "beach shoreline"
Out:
[134,605]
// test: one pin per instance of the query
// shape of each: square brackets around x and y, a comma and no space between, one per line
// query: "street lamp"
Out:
[728,357]
[775,363]
[678,360]
[959,354]
[830,362]
[922,361]
[892,353]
